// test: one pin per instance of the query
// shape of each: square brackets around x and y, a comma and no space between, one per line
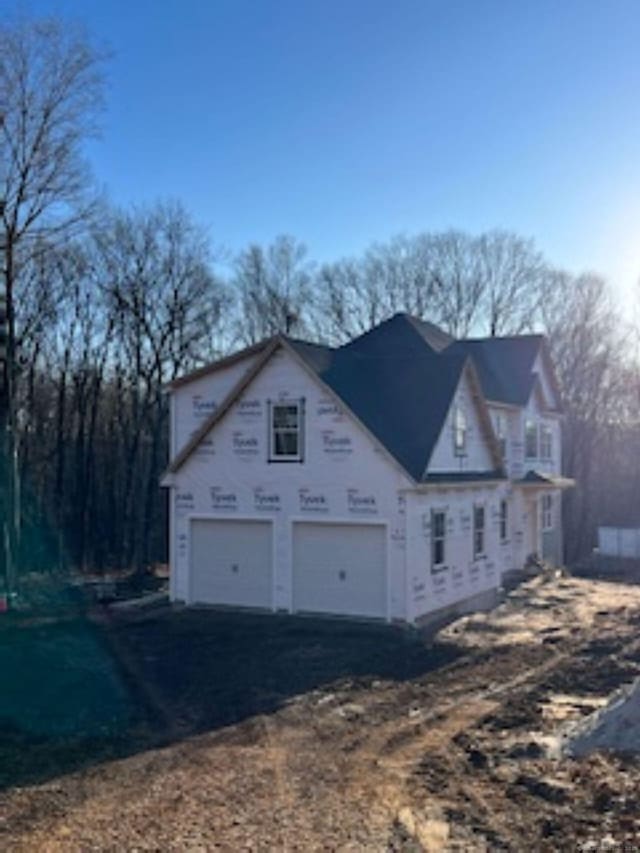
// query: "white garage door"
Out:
[232,562]
[340,568]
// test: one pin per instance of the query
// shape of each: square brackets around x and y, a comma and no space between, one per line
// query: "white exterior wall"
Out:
[538,411]
[526,539]
[192,404]
[477,456]
[347,477]
[463,576]
[344,477]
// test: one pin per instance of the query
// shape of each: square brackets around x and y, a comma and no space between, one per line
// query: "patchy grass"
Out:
[63,699]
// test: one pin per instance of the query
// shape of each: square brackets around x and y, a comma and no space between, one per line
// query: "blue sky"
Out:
[348,121]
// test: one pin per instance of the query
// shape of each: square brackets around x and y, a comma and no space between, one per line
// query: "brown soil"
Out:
[344,738]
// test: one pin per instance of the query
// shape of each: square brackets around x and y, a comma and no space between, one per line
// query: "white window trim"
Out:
[280,457]
[546,505]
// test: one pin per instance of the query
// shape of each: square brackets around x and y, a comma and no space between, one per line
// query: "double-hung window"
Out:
[531,440]
[547,512]
[286,431]
[438,535]
[459,432]
[478,530]
[546,442]
[504,520]
[501,434]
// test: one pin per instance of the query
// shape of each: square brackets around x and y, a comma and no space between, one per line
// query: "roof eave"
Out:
[493,482]
[223,408]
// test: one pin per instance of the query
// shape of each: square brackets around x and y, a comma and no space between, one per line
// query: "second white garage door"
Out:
[340,568]
[232,562]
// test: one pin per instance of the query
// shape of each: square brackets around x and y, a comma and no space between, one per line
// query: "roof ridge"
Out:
[527,336]
[306,342]
[425,333]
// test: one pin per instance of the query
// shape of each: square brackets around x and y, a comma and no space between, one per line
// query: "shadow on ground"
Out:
[77,693]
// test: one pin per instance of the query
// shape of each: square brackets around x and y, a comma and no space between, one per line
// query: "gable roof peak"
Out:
[399,331]
[436,337]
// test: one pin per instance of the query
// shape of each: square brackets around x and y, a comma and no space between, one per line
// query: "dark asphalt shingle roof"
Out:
[396,383]
[399,380]
[464,476]
[400,377]
[504,365]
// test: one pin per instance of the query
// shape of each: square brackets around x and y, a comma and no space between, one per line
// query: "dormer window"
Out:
[546,442]
[531,440]
[286,433]
[547,512]
[501,434]
[459,432]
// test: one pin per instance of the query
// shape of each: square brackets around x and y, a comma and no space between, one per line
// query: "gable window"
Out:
[285,431]
[531,440]
[547,512]
[546,442]
[478,531]
[438,532]
[459,432]
[504,521]
[501,434]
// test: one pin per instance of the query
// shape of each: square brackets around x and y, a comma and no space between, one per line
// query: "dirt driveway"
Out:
[264,733]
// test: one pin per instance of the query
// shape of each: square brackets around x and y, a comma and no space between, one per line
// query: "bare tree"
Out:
[273,289]
[155,271]
[50,93]
[493,283]
[590,352]
[515,279]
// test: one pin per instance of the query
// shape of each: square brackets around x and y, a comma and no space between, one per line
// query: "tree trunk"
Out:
[10,471]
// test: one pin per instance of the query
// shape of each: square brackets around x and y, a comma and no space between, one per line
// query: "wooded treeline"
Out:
[104,322]
[105,306]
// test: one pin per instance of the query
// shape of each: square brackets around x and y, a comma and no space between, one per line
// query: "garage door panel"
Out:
[231,562]
[340,569]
